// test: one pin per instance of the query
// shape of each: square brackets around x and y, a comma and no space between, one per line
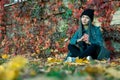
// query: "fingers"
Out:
[84,38]
[86,35]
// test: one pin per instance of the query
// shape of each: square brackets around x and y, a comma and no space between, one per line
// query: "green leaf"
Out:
[67,14]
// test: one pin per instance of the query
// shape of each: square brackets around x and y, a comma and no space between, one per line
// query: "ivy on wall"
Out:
[46,26]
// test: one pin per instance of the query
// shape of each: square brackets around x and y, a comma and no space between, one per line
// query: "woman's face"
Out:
[85,20]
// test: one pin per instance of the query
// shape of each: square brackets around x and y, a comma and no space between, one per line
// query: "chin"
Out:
[85,24]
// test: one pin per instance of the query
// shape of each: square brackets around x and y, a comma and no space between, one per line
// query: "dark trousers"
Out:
[84,50]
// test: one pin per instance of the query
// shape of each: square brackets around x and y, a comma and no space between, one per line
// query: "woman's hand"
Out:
[81,39]
[84,38]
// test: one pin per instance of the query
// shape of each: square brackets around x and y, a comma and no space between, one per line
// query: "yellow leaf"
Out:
[52,60]
[10,75]
[78,60]
[52,50]
[33,54]
[17,63]
[2,68]
[5,56]
[11,69]
[56,50]
[38,51]
[86,61]
[33,73]
[95,69]
[113,72]
[113,64]
[81,60]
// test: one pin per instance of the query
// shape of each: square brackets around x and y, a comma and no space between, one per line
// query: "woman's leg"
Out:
[75,51]
[92,50]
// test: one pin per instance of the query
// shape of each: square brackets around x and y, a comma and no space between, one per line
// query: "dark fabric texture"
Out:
[87,50]
[88,12]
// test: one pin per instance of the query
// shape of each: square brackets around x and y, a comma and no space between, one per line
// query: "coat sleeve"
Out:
[104,52]
[74,38]
[99,37]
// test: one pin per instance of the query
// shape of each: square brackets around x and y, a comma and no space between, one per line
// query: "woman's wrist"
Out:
[78,40]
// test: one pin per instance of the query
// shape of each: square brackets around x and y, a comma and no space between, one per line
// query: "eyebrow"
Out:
[85,16]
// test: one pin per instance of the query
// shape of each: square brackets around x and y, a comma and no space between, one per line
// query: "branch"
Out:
[14,3]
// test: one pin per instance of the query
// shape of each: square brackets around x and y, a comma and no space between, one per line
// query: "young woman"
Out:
[87,40]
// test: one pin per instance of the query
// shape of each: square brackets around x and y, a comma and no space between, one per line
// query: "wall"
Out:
[20,27]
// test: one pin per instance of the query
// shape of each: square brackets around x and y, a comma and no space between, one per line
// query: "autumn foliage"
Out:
[2,12]
[43,27]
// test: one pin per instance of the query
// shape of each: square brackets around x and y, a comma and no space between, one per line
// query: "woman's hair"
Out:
[81,27]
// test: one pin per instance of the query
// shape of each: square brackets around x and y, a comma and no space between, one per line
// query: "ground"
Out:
[54,68]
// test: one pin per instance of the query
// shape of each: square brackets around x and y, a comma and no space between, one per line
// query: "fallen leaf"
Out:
[113,72]
[5,56]
[81,60]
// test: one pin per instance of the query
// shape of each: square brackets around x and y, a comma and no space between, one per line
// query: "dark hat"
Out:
[88,12]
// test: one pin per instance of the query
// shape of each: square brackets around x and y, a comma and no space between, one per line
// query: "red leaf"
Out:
[70,6]
[59,3]
[96,13]
[57,45]
[77,13]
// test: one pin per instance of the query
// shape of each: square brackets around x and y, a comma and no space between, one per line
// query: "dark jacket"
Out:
[95,37]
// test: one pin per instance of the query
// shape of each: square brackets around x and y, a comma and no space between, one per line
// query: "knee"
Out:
[70,47]
[96,46]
